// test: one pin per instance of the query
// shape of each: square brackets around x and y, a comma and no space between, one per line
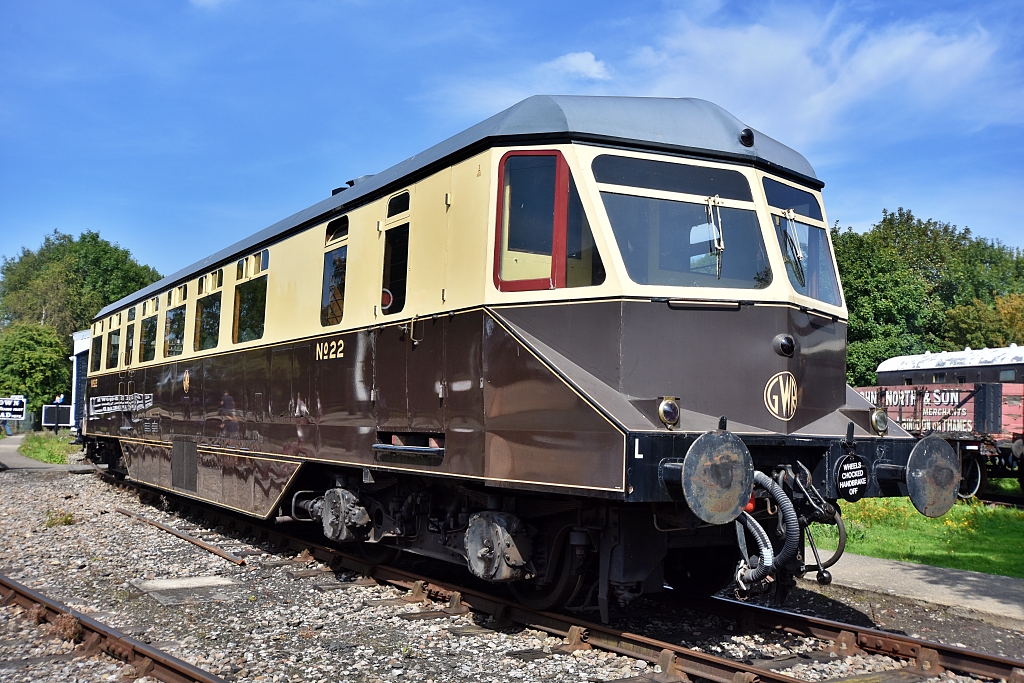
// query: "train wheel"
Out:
[552,596]
[975,477]
[700,572]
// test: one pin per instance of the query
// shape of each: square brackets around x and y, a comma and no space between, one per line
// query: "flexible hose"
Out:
[789,519]
[747,576]
[790,522]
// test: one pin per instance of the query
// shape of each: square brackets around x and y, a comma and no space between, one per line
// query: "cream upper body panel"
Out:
[453,224]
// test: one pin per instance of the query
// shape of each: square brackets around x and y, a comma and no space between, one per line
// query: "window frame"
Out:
[556,280]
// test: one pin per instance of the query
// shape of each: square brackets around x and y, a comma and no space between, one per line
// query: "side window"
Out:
[396,267]
[113,348]
[174,332]
[129,339]
[250,310]
[398,204]
[544,239]
[332,301]
[336,229]
[1007,375]
[207,332]
[147,339]
[96,354]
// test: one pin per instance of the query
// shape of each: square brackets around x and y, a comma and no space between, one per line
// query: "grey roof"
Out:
[967,358]
[683,124]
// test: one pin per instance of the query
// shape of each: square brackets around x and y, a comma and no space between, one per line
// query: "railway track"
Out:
[676,662]
[98,637]
[1004,499]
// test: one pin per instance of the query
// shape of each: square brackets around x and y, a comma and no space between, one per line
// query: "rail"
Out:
[98,637]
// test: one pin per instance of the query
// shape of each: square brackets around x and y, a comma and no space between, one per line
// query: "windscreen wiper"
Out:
[717,243]
[792,238]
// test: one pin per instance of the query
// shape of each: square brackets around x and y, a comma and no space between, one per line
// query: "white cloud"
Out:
[579,64]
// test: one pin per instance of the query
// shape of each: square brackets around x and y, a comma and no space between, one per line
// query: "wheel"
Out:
[974,478]
[551,596]
[700,572]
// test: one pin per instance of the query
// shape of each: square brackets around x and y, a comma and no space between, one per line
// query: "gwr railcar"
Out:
[587,337]
[971,398]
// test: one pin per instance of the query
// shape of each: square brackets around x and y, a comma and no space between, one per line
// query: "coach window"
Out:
[398,204]
[1007,375]
[207,329]
[336,230]
[96,354]
[129,339]
[938,377]
[332,300]
[113,348]
[544,239]
[396,268]
[250,310]
[147,339]
[174,332]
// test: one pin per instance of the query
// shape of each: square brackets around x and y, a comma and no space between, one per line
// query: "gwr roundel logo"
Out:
[185,382]
[780,395]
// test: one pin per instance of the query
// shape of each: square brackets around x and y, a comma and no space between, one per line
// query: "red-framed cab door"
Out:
[530,237]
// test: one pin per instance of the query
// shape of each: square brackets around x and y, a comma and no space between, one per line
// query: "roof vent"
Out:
[353,183]
[967,348]
[337,190]
[747,137]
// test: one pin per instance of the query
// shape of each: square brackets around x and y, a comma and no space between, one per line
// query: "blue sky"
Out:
[176,127]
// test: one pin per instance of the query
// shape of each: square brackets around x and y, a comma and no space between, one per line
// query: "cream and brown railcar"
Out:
[575,329]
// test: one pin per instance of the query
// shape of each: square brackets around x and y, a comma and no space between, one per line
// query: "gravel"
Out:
[274,629]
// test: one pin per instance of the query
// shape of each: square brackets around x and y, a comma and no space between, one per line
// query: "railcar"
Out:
[590,341]
[971,398]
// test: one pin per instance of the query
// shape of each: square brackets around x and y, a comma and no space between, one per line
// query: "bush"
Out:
[46,447]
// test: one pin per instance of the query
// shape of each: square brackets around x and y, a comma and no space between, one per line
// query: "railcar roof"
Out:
[678,124]
[967,358]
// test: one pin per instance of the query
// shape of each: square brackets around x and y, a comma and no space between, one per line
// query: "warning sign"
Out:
[852,478]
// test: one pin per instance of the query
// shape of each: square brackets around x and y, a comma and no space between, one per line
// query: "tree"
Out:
[33,362]
[913,286]
[67,281]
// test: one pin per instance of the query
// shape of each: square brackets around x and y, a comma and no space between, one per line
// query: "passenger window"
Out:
[336,229]
[908,381]
[147,339]
[1007,375]
[97,353]
[396,266]
[129,339]
[544,239]
[332,301]
[113,348]
[207,333]
[398,204]
[174,332]
[131,314]
[939,377]
[250,310]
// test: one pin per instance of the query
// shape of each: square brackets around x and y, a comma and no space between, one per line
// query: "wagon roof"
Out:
[967,358]
[684,125]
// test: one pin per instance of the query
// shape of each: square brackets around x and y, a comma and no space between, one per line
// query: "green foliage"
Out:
[913,286]
[58,517]
[971,536]
[67,281]
[47,447]
[33,363]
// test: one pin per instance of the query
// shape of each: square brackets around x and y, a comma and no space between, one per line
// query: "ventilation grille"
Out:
[184,466]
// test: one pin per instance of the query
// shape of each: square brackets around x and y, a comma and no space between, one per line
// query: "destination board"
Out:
[12,408]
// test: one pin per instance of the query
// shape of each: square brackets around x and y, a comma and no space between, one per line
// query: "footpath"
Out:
[997,600]
[11,459]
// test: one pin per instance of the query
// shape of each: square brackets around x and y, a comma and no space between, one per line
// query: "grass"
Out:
[58,517]
[1008,487]
[971,536]
[46,447]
